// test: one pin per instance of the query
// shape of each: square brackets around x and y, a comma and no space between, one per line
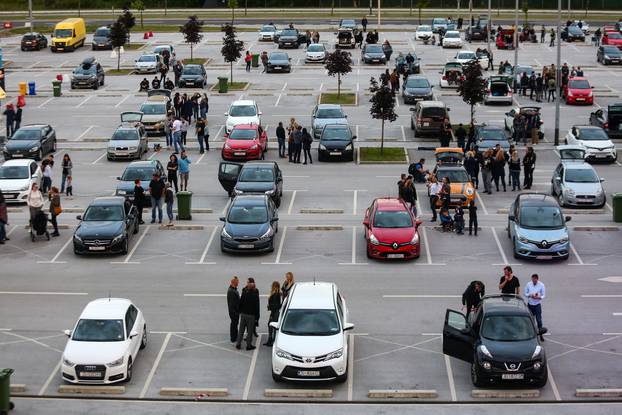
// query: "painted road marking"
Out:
[54,260]
[251,370]
[481,202]
[204,254]
[576,254]
[450,377]
[39,293]
[99,158]
[129,256]
[155,366]
[84,101]
[122,101]
[43,104]
[353,261]
[279,251]
[426,245]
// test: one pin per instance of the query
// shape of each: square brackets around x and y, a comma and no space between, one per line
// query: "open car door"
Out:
[132,117]
[458,339]
[159,92]
[571,152]
[228,173]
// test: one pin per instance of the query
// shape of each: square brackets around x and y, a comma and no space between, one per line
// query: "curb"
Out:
[596,228]
[298,393]
[319,228]
[505,394]
[96,389]
[403,393]
[60,226]
[176,227]
[598,393]
[320,210]
[217,392]
[17,388]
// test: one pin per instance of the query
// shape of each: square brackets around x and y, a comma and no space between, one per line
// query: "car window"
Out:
[541,217]
[268,29]
[492,134]
[103,213]
[417,83]
[581,176]
[340,309]
[262,174]
[507,328]
[424,28]
[289,32]
[88,330]
[329,113]
[433,112]
[125,134]
[373,49]
[133,173]
[102,32]
[33,168]
[247,214]
[578,84]
[14,172]
[130,319]
[336,134]
[452,35]
[456,320]
[60,33]
[153,109]
[455,176]
[192,70]
[243,134]
[613,35]
[85,70]
[279,56]
[305,322]
[315,48]
[242,111]
[592,134]
[147,58]
[392,219]
[26,134]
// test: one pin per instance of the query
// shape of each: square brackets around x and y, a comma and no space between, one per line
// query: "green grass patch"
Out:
[237,86]
[195,61]
[373,154]
[133,46]
[117,72]
[345,98]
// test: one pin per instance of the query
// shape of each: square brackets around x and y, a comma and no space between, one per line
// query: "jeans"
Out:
[46,185]
[247,322]
[156,204]
[182,141]
[502,178]
[203,112]
[274,317]
[169,211]
[195,112]
[515,179]
[297,151]
[200,140]
[528,177]
[248,66]
[233,327]
[169,139]
[177,141]
[9,129]
[486,177]
[536,311]
[290,151]
[433,199]
[307,151]
[54,222]
[281,147]
[62,183]
[551,95]
[472,224]
[2,231]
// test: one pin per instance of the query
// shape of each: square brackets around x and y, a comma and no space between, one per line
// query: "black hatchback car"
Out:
[34,41]
[106,227]
[143,170]
[500,340]
[193,76]
[609,55]
[336,142]
[573,33]
[254,177]
[31,141]
[250,225]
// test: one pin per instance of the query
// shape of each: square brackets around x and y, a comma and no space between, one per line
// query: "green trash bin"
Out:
[616,206]
[223,84]
[5,391]
[184,205]
[56,88]
[255,60]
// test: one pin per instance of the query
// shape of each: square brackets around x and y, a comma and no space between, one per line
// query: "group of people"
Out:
[492,164]
[244,309]
[299,142]
[168,61]
[13,117]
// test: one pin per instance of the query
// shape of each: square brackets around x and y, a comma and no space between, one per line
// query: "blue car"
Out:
[537,227]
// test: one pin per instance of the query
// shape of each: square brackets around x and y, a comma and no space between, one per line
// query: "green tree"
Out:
[128,20]
[421,4]
[338,63]
[232,47]
[382,106]
[118,38]
[233,4]
[140,6]
[473,88]
[192,31]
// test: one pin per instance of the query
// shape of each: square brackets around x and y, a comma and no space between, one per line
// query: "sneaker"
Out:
[153,221]
[237,346]
[250,347]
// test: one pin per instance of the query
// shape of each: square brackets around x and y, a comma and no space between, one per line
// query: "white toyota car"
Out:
[311,340]
[244,111]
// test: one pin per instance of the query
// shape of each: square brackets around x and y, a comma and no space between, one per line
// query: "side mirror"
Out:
[568,218]
[418,222]
[259,113]
[348,326]
[118,177]
[542,331]
[448,109]
[557,179]
[354,137]
[512,218]
[592,87]
[412,109]
[226,114]
[79,217]
[602,179]
[274,220]
[67,333]
[133,334]
[222,218]
[366,222]
[274,325]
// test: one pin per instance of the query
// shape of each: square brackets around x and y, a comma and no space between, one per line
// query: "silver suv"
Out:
[129,141]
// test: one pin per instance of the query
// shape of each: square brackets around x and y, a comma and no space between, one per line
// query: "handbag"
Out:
[57,210]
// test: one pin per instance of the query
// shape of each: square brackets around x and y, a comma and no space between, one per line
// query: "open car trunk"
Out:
[499,89]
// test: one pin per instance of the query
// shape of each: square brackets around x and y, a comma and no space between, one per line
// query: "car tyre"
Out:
[128,373]
[126,246]
[39,155]
[96,85]
[143,341]
[475,376]
[540,383]
[277,202]
[276,378]
[412,124]
[368,252]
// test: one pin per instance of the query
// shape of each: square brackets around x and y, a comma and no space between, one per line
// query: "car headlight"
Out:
[373,239]
[348,147]
[283,354]
[67,362]
[254,147]
[469,191]
[268,234]
[569,192]
[407,92]
[485,351]
[537,365]
[111,148]
[536,352]
[415,239]
[366,56]
[523,239]
[607,57]
[322,147]
[227,146]
[77,237]
[118,238]
[238,191]
[589,94]
[335,355]
[24,187]
[225,234]
[35,148]
[563,240]
[599,192]
[133,148]
[570,93]
[117,362]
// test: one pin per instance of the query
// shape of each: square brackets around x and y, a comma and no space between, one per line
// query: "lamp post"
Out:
[516,35]
[378,14]
[489,27]
[557,75]
[30,12]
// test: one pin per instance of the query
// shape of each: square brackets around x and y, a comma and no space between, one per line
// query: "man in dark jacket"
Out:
[364,23]
[156,189]
[249,314]
[461,134]
[280,135]
[139,199]
[233,304]
[177,68]
[472,296]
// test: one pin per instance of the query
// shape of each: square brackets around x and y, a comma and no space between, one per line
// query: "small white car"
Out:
[423,31]
[598,146]
[242,112]
[17,177]
[465,56]
[316,53]
[498,91]
[148,63]
[161,48]
[574,181]
[266,33]
[104,343]
[452,39]
[311,339]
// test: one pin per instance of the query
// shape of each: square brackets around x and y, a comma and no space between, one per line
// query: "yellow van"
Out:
[68,35]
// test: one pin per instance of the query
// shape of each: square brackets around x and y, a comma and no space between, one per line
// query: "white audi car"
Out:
[311,340]
[452,39]
[242,112]
[104,343]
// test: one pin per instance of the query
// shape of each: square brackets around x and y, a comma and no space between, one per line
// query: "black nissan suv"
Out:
[500,340]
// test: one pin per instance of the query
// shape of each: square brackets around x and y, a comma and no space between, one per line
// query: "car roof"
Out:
[390,203]
[249,200]
[243,102]
[32,127]
[107,200]
[587,127]
[489,127]
[504,304]
[329,106]
[18,162]
[577,165]
[537,199]
[313,295]
[259,163]
[578,78]
[430,104]
[192,65]
[246,127]
[142,163]
[106,309]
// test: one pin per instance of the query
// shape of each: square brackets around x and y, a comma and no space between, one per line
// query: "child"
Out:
[69,188]
[169,199]
[446,221]
[459,220]
[472,217]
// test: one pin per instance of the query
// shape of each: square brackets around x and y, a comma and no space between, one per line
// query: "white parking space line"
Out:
[421,296]
[403,133]
[219,131]
[204,254]
[201,158]
[122,101]
[481,203]
[224,210]
[54,260]
[503,257]
[321,86]
[553,385]
[354,198]
[294,192]
[31,340]
[84,101]
[576,254]
[450,378]
[49,379]
[128,257]
[84,133]
[601,296]
[426,245]
[284,86]
[98,159]
[353,261]
[12,230]
[39,293]
[276,104]
[350,367]
[616,314]
[143,392]
[251,369]
[45,102]
[277,261]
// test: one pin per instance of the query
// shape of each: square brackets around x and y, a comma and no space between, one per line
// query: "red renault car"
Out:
[245,142]
[578,91]
[391,230]
[613,38]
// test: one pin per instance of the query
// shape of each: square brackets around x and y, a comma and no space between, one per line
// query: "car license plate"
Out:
[239,153]
[246,246]
[17,155]
[10,196]
[426,124]
[580,99]
[90,374]
[189,82]
[375,60]
[277,67]
[544,257]
[601,155]
[97,248]
[513,376]
[287,43]
[335,153]
[308,373]
[393,256]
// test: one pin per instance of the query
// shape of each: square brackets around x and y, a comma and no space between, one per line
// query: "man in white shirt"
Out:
[535,291]
[177,134]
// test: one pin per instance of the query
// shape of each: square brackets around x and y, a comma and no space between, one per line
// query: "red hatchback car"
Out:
[391,230]
[612,38]
[578,91]
[245,142]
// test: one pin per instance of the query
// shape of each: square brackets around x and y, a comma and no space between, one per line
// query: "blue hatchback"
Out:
[537,227]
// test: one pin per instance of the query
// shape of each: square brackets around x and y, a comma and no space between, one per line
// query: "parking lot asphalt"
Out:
[179,277]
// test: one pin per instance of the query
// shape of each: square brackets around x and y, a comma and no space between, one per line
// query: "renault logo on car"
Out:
[394,245]
[544,244]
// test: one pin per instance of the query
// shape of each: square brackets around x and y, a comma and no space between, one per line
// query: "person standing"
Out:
[264,61]
[34,201]
[172,169]
[535,291]
[539,87]
[542,34]
[249,314]
[177,69]
[4,219]
[203,106]
[364,23]
[274,306]
[434,188]
[18,117]
[55,208]
[472,217]
[46,184]
[168,125]
[387,49]
[529,165]
[445,193]
[139,200]
[472,167]
[307,140]
[169,200]
[184,132]
[514,165]
[200,129]
[407,194]
[184,170]
[66,165]
[280,136]
[248,59]
[233,305]
[9,113]
[552,36]
[177,104]
[446,133]
[486,168]
[597,34]
[509,284]
[177,135]
[498,169]
[156,190]
[461,134]
[297,144]
[163,72]
[287,285]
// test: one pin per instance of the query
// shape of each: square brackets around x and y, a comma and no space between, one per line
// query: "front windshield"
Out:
[268,29]
[26,134]
[508,328]
[454,176]
[417,83]
[424,28]
[611,50]
[192,70]
[593,134]
[279,56]
[289,32]
[258,174]
[373,49]
[147,58]
[153,109]
[452,34]
[242,111]
[243,134]
[133,173]
[303,322]
[248,214]
[315,48]
[541,217]
[466,55]
[581,176]
[336,134]
[102,32]
[497,135]
[103,213]
[439,21]
[392,219]
[613,35]
[60,33]
[85,70]
[579,84]
[575,30]
[121,135]
[433,112]
[14,172]
[98,331]
[329,113]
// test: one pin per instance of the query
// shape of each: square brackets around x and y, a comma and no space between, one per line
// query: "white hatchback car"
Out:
[148,63]
[452,39]
[104,343]
[17,177]
[598,146]
[466,56]
[242,112]
[311,340]
[316,53]
[423,32]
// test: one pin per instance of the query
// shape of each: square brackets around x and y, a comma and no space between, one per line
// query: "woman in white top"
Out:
[34,200]
[434,187]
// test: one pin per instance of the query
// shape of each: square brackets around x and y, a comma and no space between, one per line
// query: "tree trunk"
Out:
[141,20]
[191,57]
[338,85]
[382,138]
[419,15]
[231,79]
[118,59]
[232,15]
[472,114]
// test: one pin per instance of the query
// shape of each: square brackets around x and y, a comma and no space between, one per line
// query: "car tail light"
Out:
[606,125]
[444,78]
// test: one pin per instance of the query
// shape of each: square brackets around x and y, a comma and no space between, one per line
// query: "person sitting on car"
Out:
[144,85]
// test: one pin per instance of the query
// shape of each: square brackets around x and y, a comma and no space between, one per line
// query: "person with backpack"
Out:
[418,171]
[307,140]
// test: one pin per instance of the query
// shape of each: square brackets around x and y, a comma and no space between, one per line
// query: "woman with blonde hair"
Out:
[287,284]
[274,306]
[498,169]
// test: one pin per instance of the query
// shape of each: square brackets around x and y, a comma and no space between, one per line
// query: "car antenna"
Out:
[313,280]
[109,293]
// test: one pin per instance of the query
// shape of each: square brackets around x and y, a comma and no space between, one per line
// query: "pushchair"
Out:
[39,225]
